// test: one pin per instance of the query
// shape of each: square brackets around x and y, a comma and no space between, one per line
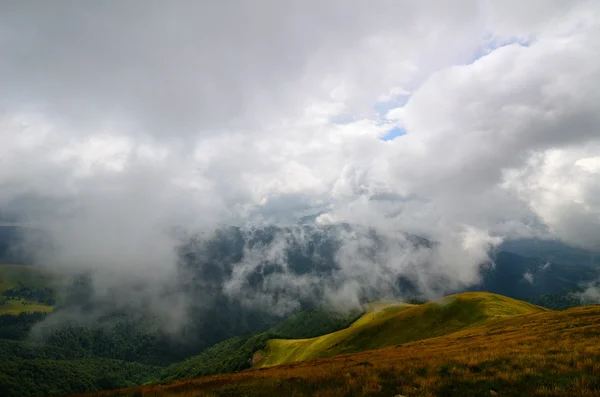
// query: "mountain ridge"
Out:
[397,323]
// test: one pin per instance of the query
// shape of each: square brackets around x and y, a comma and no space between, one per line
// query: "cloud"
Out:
[590,293]
[127,123]
[343,266]
[564,193]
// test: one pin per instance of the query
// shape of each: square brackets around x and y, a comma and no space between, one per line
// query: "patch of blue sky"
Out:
[393,133]
[493,45]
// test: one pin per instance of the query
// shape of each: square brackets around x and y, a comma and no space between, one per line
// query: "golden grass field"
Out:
[537,353]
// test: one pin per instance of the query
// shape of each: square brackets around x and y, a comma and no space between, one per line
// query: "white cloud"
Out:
[396,114]
[590,164]
[564,194]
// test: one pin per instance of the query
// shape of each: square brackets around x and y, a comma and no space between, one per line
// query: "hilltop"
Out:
[395,323]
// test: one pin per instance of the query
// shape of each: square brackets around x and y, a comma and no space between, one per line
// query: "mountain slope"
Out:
[524,278]
[393,324]
[548,353]
[553,251]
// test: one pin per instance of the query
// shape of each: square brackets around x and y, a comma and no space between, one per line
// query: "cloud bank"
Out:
[123,124]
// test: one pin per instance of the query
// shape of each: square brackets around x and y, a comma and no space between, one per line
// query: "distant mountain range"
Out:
[521,268]
[551,251]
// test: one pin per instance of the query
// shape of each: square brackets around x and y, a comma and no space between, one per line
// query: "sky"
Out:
[467,122]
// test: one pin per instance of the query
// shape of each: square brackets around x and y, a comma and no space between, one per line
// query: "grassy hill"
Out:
[539,353]
[395,323]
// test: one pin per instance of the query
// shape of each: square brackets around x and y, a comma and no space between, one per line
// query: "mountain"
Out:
[396,323]
[550,251]
[569,298]
[383,324]
[21,245]
[524,278]
[538,352]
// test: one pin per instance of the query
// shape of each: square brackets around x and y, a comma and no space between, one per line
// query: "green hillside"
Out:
[396,323]
[231,355]
[236,354]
